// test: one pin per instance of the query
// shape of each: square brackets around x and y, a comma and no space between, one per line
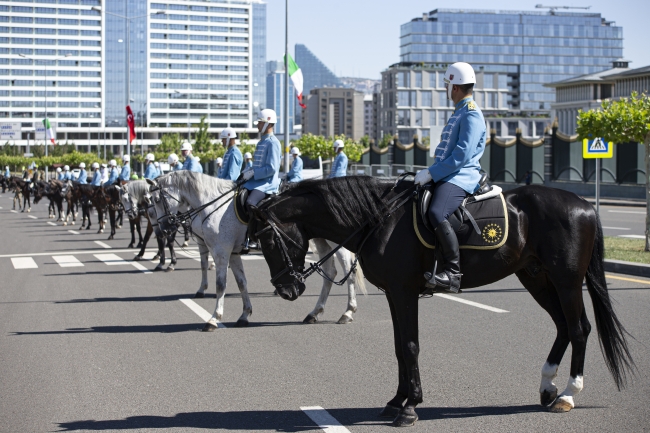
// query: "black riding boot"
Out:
[250,243]
[449,278]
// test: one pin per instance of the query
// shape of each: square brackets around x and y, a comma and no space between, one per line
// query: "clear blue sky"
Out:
[361,38]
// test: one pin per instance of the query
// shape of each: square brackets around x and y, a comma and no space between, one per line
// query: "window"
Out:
[443,115]
[418,118]
[488,81]
[426,99]
[418,79]
[403,118]
[512,128]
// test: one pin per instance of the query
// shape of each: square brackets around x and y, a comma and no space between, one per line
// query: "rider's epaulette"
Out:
[471,106]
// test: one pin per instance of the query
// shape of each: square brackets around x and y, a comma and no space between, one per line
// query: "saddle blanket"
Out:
[491,219]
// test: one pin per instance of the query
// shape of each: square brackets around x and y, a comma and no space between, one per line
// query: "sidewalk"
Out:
[629,268]
[617,202]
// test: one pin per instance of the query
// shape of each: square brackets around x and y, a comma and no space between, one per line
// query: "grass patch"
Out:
[629,250]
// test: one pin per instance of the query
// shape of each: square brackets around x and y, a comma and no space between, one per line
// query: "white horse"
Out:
[219,232]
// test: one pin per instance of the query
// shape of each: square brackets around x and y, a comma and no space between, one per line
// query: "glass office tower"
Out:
[275,95]
[259,56]
[530,48]
[314,72]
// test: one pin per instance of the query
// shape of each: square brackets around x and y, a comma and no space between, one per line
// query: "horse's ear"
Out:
[151,182]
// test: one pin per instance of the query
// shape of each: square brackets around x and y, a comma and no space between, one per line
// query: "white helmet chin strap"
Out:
[449,89]
[266,125]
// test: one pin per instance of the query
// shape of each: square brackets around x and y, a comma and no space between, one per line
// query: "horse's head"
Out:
[162,208]
[129,202]
[284,246]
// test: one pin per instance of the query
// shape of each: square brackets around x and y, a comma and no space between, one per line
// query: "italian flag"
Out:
[296,78]
[49,133]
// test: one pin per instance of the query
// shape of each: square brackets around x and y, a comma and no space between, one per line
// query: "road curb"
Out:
[629,268]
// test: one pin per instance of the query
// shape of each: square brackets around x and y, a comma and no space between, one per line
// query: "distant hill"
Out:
[365,85]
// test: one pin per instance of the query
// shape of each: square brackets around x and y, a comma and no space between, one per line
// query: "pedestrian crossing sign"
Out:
[597,148]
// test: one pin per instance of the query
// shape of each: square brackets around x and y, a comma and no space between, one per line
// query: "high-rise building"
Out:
[275,95]
[334,111]
[187,59]
[529,49]
[367,115]
[314,72]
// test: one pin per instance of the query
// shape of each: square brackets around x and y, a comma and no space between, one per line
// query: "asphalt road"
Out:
[103,345]
[623,221]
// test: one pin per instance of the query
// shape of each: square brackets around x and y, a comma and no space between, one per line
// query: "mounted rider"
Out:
[174,164]
[104,173]
[219,163]
[232,159]
[150,171]
[295,172]
[340,164]
[126,169]
[59,174]
[248,160]
[262,178]
[7,172]
[114,174]
[66,173]
[190,163]
[83,176]
[455,170]
[97,176]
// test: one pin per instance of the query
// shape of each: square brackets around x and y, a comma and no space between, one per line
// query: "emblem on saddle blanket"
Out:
[491,219]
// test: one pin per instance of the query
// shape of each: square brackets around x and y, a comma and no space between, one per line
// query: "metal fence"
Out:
[382,170]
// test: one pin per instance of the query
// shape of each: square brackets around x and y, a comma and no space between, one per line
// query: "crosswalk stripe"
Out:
[74,232]
[51,223]
[23,263]
[111,259]
[204,315]
[472,303]
[102,244]
[245,257]
[67,261]
[32,217]
[140,267]
[323,419]
[14,211]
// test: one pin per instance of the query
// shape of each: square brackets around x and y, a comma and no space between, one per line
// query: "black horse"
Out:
[554,242]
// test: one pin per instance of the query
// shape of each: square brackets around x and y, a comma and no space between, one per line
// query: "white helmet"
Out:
[149,157]
[186,146]
[82,165]
[459,73]
[95,165]
[338,143]
[156,164]
[219,161]
[248,155]
[66,167]
[112,163]
[267,116]
[58,169]
[172,158]
[104,165]
[295,151]
[197,159]
[6,167]
[228,133]
[126,158]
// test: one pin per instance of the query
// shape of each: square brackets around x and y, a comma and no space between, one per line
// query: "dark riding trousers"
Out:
[447,197]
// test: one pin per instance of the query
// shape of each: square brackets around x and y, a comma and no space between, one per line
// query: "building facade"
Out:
[187,60]
[334,111]
[528,48]
[314,72]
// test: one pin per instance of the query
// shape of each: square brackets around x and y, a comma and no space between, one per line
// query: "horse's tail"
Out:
[359,280]
[611,333]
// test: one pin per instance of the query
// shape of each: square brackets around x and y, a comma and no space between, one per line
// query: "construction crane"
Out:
[552,9]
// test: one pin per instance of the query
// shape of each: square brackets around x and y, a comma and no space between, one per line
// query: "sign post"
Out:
[597,149]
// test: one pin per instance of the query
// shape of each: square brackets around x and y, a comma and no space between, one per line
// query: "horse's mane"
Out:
[189,181]
[352,200]
[138,189]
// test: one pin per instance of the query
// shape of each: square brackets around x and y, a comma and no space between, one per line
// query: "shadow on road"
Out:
[281,421]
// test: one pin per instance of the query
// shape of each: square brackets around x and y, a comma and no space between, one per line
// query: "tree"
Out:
[622,121]
[385,141]
[313,146]
[203,141]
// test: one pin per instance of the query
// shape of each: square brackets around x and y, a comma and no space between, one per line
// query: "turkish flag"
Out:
[131,121]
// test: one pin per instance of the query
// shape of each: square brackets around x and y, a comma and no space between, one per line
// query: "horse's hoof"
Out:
[170,268]
[137,258]
[65,223]
[562,404]
[185,244]
[118,226]
[405,418]
[139,245]
[209,327]
[199,295]
[156,257]
[310,319]
[88,228]
[29,210]
[110,238]
[211,267]
[241,323]
[344,320]
[158,268]
[72,223]
[547,397]
[101,231]
[130,246]
[390,411]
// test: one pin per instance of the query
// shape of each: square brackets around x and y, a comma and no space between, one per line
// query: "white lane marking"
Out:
[14,211]
[323,419]
[472,303]
[204,315]
[67,261]
[58,253]
[51,223]
[627,211]
[245,257]
[632,236]
[102,244]
[616,228]
[24,263]
[74,232]
[111,259]
[32,217]
[0,207]
[140,267]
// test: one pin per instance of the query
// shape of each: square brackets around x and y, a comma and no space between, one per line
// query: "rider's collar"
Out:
[463,102]
[268,134]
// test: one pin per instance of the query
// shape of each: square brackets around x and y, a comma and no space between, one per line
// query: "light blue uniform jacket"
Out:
[462,142]
[177,166]
[7,174]
[97,179]
[249,164]
[266,164]
[340,165]
[150,172]
[112,177]
[231,167]
[83,177]
[61,177]
[125,175]
[192,164]
[295,172]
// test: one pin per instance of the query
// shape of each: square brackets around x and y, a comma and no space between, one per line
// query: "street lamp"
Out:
[189,122]
[128,59]
[45,79]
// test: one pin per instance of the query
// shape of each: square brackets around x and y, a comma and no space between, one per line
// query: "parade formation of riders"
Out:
[126,169]
[232,159]
[340,164]
[191,163]
[295,172]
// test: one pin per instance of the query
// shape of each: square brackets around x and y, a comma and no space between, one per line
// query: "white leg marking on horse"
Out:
[323,419]
[204,315]
[549,373]
[573,388]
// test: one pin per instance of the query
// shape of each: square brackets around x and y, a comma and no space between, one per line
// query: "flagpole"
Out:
[286,88]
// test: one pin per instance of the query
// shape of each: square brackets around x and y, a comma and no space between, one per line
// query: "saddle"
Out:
[64,189]
[241,195]
[480,222]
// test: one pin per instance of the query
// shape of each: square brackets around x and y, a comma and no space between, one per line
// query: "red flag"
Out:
[131,121]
